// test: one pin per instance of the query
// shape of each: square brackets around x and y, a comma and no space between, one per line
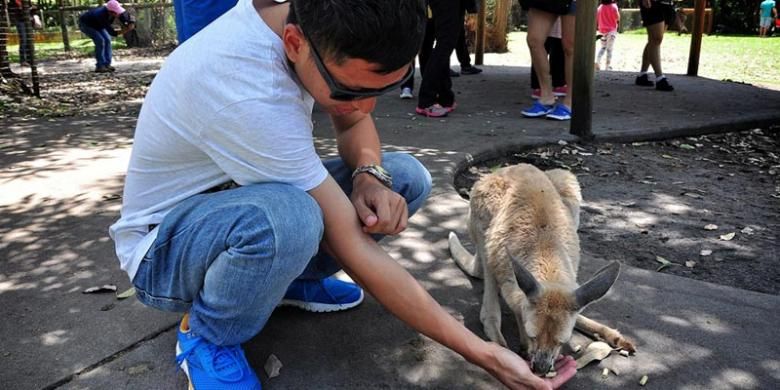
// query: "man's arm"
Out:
[357,138]
[380,209]
[399,292]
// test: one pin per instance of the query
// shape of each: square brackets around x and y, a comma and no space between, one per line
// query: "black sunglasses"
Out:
[342,93]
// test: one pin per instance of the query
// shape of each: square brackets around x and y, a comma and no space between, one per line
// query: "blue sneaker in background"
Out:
[537,110]
[560,113]
[324,295]
[209,366]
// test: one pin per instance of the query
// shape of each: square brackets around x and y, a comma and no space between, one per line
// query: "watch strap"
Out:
[377,171]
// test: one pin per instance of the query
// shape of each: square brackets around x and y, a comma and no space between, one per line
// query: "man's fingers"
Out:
[562,361]
[367,216]
[402,215]
[537,383]
[384,215]
[565,372]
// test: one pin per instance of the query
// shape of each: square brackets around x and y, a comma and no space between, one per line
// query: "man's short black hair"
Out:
[385,32]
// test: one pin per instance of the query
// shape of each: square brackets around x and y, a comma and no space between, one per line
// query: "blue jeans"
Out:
[228,257]
[24,49]
[102,41]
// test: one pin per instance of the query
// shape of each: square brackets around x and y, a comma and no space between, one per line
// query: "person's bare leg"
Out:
[645,59]
[567,38]
[655,36]
[539,25]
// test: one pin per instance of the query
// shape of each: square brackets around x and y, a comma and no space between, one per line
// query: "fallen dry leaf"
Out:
[705,252]
[597,350]
[728,237]
[690,263]
[272,366]
[126,294]
[711,226]
[664,263]
[100,289]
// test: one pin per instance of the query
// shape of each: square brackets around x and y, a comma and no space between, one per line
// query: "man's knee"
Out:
[410,178]
[287,215]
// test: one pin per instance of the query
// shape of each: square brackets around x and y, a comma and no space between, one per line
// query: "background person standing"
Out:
[657,15]
[96,24]
[436,98]
[18,18]
[768,15]
[608,17]
[192,15]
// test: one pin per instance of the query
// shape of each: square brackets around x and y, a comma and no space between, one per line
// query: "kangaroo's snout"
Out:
[542,362]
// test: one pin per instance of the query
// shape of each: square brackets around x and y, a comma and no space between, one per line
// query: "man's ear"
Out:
[294,43]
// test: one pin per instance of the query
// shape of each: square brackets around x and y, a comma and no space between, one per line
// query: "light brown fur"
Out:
[524,219]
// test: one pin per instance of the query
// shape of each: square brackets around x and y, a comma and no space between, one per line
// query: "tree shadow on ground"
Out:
[61,191]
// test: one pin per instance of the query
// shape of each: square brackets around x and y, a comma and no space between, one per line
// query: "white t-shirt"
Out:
[224,106]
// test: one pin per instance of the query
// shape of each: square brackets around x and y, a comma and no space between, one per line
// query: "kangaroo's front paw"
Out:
[624,343]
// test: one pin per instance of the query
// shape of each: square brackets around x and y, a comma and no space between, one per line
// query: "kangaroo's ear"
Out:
[525,280]
[598,285]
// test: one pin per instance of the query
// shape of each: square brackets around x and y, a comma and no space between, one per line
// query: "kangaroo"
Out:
[524,223]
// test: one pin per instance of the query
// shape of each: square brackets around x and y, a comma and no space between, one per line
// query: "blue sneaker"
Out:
[537,110]
[324,295]
[560,113]
[209,366]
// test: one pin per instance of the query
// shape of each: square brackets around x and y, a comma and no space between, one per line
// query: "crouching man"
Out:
[228,211]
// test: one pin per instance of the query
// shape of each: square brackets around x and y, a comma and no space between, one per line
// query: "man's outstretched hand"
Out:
[381,210]
[514,372]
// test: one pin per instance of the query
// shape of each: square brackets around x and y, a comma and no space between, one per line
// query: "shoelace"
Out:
[224,363]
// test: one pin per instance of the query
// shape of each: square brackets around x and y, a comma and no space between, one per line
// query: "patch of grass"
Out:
[741,58]
[79,47]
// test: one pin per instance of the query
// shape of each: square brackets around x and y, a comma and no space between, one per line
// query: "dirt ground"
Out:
[706,208]
[69,87]
[645,203]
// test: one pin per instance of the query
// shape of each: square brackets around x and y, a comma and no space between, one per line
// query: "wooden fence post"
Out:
[63,27]
[479,48]
[584,55]
[698,31]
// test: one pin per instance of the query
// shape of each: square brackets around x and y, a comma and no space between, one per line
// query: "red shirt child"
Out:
[608,17]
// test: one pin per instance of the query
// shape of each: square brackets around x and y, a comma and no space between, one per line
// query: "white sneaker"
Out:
[406,93]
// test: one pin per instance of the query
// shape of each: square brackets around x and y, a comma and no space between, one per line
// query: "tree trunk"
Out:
[500,21]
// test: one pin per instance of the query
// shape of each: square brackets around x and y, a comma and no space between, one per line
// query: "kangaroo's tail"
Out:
[465,260]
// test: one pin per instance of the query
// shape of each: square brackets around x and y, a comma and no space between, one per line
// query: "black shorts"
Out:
[658,12]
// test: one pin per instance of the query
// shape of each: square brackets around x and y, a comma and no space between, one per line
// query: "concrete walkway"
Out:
[59,183]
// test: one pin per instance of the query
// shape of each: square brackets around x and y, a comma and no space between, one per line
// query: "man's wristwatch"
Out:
[377,171]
